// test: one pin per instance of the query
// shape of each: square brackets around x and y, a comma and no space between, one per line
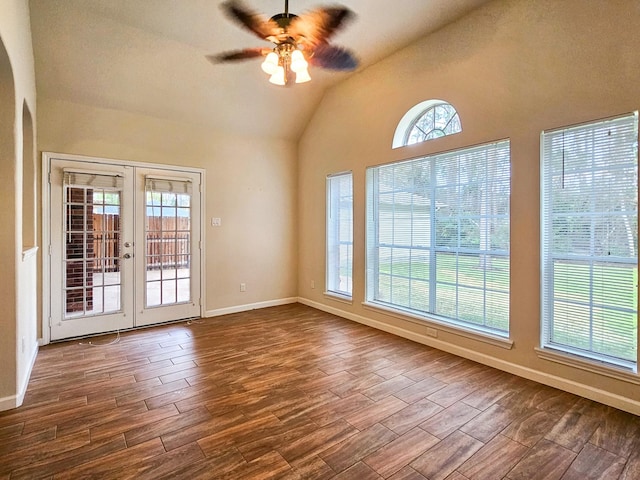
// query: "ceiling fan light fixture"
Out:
[298,63]
[270,64]
[303,76]
[277,78]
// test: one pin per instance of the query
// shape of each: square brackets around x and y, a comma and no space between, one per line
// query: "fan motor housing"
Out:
[283,19]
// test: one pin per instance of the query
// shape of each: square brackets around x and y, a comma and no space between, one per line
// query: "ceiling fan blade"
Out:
[317,26]
[261,26]
[333,58]
[238,55]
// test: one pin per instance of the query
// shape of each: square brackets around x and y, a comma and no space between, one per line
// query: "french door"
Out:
[125,246]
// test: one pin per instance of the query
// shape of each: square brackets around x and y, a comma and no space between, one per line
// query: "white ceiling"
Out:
[148,57]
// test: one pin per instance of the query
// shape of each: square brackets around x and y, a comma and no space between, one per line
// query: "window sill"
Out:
[593,366]
[339,298]
[488,338]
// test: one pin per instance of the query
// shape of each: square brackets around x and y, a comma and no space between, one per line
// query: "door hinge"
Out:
[50,322]
[50,250]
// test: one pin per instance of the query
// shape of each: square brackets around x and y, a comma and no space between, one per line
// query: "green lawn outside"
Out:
[613,331]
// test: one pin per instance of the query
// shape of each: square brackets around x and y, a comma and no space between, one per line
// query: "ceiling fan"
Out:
[300,40]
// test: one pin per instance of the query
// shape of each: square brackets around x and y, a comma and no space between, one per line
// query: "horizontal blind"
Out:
[94,180]
[590,239]
[168,185]
[340,233]
[438,236]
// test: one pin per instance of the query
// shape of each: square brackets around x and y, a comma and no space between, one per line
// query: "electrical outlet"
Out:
[313,284]
[432,332]
[216,222]
[243,287]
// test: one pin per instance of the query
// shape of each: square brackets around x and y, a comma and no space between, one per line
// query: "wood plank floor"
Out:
[294,393]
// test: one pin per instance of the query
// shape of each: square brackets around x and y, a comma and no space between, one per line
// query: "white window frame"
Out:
[339,238]
[423,241]
[561,170]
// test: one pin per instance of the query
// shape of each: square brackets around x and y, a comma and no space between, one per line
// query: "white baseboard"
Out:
[14,401]
[250,306]
[595,394]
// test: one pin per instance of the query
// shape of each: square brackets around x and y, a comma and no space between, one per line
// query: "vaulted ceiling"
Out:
[148,57]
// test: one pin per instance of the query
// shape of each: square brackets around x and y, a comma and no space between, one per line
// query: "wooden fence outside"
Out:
[168,241]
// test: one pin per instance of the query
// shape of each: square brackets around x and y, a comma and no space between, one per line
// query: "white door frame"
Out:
[47,157]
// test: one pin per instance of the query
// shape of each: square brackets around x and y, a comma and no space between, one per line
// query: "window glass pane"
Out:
[437,121]
[168,235]
[340,234]
[590,240]
[438,235]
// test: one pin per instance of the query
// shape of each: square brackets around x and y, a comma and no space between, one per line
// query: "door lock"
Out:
[127,244]
[126,255]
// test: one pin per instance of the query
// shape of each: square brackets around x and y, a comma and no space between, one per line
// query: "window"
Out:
[438,237]
[590,240]
[426,121]
[340,233]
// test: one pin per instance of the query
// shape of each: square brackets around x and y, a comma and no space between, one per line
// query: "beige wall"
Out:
[511,69]
[18,342]
[250,184]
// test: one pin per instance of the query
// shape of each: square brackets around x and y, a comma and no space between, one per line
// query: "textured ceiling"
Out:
[148,57]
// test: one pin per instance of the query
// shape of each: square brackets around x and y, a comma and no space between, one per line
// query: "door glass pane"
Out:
[92,251]
[168,256]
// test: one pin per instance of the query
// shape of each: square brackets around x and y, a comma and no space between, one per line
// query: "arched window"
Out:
[427,120]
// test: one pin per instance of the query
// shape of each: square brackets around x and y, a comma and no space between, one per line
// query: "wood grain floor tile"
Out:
[619,433]
[10,431]
[400,452]
[164,426]
[412,415]
[456,476]
[72,424]
[22,459]
[487,396]
[388,387]
[632,468]
[444,423]
[355,448]
[359,471]
[293,393]
[19,442]
[545,461]
[224,463]
[122,424]
[489,423]
[113,465]
[277,435]
[317,442]
[530,427]
[408,473]
[191,433]
[573,430]
[163,464]
[69,458]
[243,431]
[452,393]
[420,390]
[494,460]
[594,463]
[375,413]
[446,456]
[339,408]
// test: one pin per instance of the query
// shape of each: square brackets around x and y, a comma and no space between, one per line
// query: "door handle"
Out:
[126,255]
